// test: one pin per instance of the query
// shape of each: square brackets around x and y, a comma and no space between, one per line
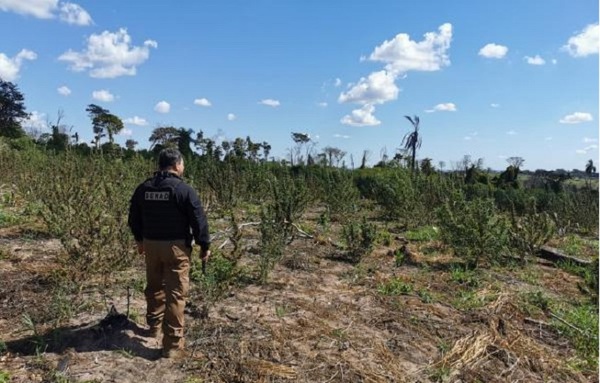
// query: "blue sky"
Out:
[487,78]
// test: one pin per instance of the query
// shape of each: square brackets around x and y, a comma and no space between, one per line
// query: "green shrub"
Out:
[359,238]
[473,229]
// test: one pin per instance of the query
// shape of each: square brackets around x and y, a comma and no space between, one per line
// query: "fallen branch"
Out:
[555,255]
[582,332]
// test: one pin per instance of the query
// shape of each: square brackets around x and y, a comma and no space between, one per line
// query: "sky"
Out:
[489,79]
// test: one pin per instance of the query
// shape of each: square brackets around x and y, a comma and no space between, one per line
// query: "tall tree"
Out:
[164,136]
[412,140]
[301,140]
[12,110]
[184,140]
[103,123]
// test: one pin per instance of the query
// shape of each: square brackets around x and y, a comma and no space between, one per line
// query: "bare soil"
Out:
[319,319]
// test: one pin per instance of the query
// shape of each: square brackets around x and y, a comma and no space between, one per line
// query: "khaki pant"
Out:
[167,277]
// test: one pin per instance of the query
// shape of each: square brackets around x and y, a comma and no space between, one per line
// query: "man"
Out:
[163,210]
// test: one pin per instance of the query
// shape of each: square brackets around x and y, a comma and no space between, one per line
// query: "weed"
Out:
[580,325]
[464,276]
[399,257]
[423,234]
[474,229]
[359,238]
[425,295]
[4,376]
[395,286]
[440,374]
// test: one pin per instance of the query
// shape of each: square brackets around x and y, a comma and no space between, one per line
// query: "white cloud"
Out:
[48,9]
[401,54]
[576,118]
[42,9]
[72,13]
[589,140]
[378,88]
[337,82]
[231,117]
[202,102]
[361,117]
[36,120]
[535,60]
[103,95]
[494,105]
[446,107]
[322,104]
[587,149]
[64,90]
[162,107]
[493,51]
[585,43]
[109,55]
[126,132]
[270,102]
[337,135]
[135,120]
[10,67]
[511,133]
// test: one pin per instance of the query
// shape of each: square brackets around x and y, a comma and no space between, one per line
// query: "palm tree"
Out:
[412,140]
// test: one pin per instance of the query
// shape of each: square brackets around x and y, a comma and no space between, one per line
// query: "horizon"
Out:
[487,80]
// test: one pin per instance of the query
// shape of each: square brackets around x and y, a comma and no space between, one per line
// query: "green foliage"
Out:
[530,231]
[360,238]
[464,276]
[580,325]
[339,193]
[272,242]
[395,286]
[220,273]
[12,110]
[85,205]
[473,229]
[423,234]
[4,376]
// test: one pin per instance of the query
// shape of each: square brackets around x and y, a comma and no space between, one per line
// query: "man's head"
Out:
[171,160]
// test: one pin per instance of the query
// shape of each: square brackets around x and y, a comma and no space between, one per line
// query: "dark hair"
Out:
[168,158]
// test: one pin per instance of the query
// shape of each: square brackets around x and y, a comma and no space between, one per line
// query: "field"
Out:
[318,274]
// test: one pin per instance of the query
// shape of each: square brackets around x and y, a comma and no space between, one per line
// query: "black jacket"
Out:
[165,208]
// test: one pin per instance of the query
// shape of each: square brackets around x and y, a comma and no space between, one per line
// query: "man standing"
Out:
[163,210]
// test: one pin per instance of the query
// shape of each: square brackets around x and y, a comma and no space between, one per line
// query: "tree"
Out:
[12,110]
[103,123]
[333,154]
[184,140]
[301,139]
[130,144]
[515,161]
[164,136]
[590,168]
[427,167]
[412,140]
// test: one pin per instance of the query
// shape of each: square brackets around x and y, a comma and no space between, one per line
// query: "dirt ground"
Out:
[319,319]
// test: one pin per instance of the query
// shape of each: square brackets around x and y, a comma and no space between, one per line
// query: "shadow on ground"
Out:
[113,333]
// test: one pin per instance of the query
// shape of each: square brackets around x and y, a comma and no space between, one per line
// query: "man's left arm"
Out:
[198,221]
